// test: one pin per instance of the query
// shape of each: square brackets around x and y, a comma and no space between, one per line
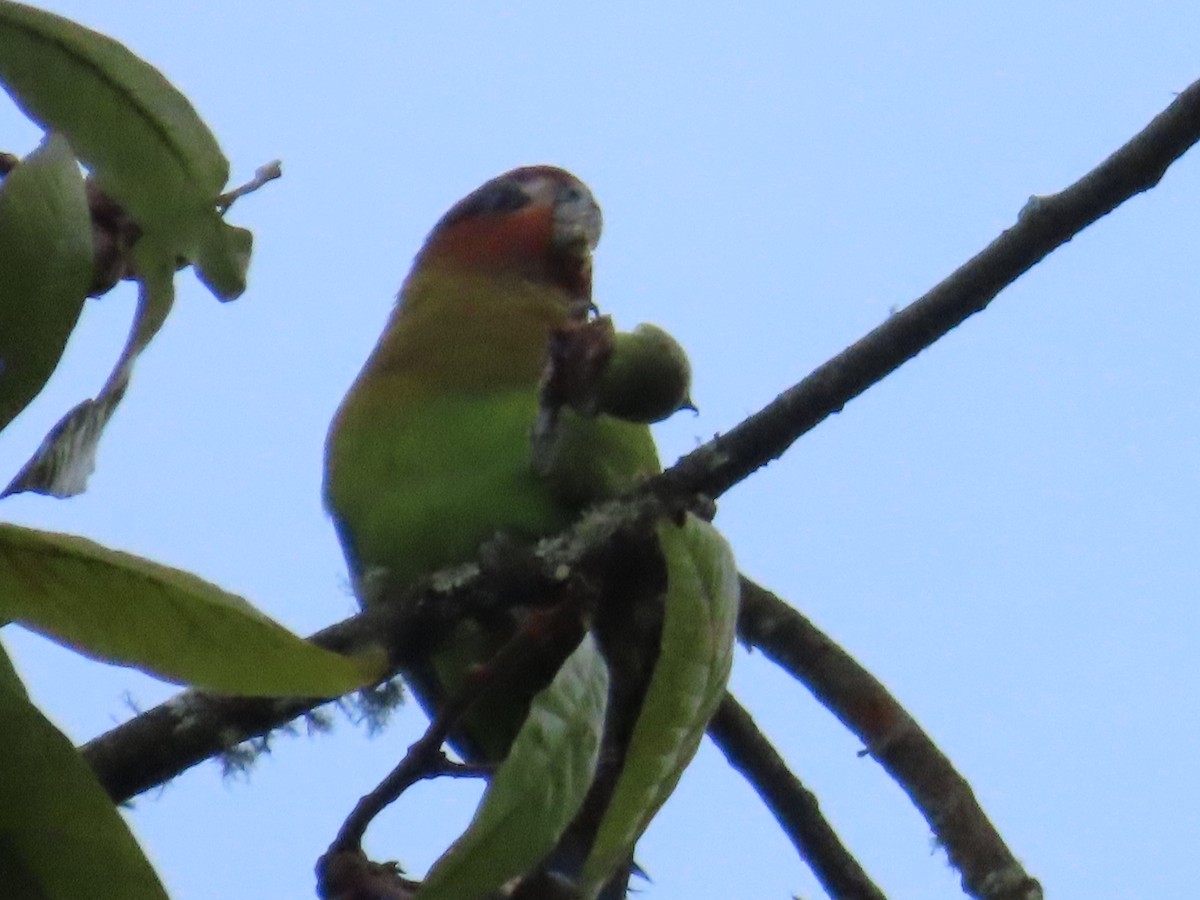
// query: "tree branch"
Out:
[793,805]
[155,746]
[989,869]
[1045,224]
[550,634]
[166,740]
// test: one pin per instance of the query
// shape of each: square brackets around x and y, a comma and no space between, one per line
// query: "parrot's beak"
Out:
[577,222]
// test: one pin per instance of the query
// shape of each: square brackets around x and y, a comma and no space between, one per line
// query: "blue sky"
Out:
[1005,531]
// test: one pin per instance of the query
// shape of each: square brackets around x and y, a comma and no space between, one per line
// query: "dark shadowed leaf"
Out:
[687,685]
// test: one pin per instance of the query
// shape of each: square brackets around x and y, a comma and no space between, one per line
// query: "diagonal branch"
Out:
[1045,224]
[156,745]
[160,743]
[989,869]
[794,806]
[170,738]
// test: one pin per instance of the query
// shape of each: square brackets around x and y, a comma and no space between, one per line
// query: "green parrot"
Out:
[435,449]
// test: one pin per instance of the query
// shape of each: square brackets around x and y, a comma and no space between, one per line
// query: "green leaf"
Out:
[224,258]
[67,455]
[10,681]
[148,150]
[45,268]
[60,837]
[537,790]
[686,687]
[123,609]
[142,139]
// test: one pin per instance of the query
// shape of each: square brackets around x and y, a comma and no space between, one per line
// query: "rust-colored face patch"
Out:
[538,221]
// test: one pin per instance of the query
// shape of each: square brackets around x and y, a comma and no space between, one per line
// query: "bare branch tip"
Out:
[262,175]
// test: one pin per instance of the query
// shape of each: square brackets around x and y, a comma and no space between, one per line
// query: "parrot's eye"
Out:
[497,197]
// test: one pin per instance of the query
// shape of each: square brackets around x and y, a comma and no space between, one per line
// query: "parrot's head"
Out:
[540,222]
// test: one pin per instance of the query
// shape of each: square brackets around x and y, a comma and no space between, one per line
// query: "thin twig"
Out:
[424,760]
[546,632]
[793,805]
[989,869]
[344,870]
[262,175]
